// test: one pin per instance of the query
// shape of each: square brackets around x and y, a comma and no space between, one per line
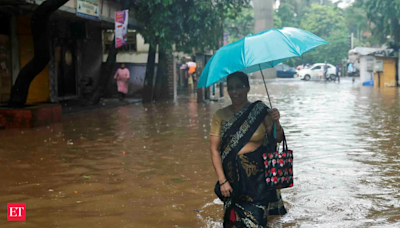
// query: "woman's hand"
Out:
[275,115]
[226,189]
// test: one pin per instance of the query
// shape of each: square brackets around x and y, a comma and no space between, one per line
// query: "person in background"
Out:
[194,75]
[190,84]
[337,73]
[326,71]
[350,70]
[122,76]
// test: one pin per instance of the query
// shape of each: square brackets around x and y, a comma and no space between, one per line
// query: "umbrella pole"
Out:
[265,84]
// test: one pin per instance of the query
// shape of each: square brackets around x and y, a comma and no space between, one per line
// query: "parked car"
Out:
[316,71]
[285,71]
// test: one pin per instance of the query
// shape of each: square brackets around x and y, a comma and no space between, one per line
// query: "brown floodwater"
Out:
[149,165]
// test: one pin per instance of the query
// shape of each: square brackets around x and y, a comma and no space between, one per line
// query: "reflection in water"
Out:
[346,140]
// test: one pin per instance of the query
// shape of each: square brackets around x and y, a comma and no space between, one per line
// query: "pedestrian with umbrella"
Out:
[242,133]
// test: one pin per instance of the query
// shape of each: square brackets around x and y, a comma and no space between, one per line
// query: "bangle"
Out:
[223,183]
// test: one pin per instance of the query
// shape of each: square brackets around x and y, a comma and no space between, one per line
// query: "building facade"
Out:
[76,32]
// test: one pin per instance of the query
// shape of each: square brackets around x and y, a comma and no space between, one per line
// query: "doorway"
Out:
[66,71]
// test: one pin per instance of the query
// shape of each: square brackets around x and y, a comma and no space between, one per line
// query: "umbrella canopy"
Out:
[259,51]
[191,64]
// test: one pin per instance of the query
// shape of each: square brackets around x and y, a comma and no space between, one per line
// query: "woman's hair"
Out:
[243,78]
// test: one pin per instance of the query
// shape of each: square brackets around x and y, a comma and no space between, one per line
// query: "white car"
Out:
[316,71]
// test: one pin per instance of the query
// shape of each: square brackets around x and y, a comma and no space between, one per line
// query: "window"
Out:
[317,68]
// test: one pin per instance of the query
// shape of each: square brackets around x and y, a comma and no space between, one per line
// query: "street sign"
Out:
[88,9]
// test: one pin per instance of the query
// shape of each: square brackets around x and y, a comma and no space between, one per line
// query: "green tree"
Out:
[287,15]
[329,23]
[357,23]
[383,16]
[240,26]
[323,20]
[187,24]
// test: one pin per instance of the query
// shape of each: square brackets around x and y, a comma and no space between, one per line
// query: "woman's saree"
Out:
[251,201]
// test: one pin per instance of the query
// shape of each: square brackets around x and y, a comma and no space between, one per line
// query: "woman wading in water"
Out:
[240,134]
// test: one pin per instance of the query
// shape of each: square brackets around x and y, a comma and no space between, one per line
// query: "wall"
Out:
[39,89]
[388,77]
[71,3]
[108,8]
[364,74]
[140,56]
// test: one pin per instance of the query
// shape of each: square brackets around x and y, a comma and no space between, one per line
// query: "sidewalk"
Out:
[79,106]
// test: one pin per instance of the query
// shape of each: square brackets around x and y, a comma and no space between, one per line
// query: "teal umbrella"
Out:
[256,52]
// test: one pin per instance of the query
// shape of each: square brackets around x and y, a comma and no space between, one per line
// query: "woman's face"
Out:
[237,91]
[123,66]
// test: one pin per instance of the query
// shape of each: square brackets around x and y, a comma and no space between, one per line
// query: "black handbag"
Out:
[279,167]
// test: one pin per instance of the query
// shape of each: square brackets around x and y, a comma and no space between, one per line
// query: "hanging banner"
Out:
[121,28]
[88,9]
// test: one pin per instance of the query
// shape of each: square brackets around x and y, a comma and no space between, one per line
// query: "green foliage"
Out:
[287,15]
[383,16]
[186,23]
[326,21]
[333,53]
[323,20]
[240,26]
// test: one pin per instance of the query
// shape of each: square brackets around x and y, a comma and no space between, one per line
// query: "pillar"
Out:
[263,20]
[171,75]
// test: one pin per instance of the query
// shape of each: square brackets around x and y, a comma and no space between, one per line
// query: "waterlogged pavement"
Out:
[149,165]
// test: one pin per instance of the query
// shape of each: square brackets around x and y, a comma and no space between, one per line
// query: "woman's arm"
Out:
[216,158]
[116,74]
[226,188]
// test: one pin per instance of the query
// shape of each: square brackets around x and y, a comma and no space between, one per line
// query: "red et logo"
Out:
[16,212]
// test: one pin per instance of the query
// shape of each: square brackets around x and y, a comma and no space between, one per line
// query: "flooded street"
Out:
[149,165]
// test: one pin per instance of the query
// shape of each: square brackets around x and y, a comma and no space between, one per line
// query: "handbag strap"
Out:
[285,147]
[284,143]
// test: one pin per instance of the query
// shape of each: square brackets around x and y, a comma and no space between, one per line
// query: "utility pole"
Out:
[352,40]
